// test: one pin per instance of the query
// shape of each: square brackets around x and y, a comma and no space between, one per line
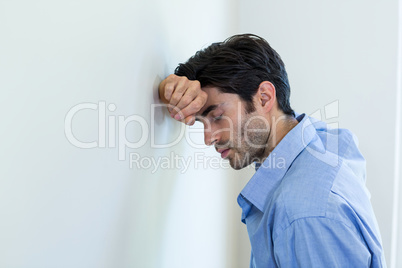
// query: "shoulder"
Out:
[305,188]
[313,188]
[330,163]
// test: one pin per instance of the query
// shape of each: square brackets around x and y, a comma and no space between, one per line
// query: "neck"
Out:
[280,126]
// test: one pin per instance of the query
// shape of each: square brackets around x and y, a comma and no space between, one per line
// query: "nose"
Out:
[210,136]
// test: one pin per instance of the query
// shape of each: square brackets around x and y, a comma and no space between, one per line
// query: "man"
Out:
[306,205]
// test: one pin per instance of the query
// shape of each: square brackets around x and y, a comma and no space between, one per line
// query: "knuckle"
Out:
[196,83]
[166,94]
[181,79]
[203,99]
[197,104]
[186,99]
[169,87]
[187,111]
[181,85]
[171,76]
[204,95]
[174,99]
[185,82]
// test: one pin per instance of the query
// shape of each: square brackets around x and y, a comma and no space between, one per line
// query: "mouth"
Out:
[224,152]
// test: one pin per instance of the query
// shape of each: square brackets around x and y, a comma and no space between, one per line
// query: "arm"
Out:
[183,96]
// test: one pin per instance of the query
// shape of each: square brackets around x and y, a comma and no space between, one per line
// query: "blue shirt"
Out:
[307,204]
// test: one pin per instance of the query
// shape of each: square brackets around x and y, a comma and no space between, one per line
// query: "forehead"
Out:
[217,98]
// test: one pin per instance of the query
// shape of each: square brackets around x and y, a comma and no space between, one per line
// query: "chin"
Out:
[237,165]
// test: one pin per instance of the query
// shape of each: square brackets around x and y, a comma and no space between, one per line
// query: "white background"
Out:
[63,206]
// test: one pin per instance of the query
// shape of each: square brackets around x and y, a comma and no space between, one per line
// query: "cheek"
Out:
[227,129]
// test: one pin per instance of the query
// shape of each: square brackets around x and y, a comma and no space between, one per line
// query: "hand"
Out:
[184,96]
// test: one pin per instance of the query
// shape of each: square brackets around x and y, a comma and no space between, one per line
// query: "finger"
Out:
[179,90]
[187,98]
[192,108]
[175,112]
[189,120]
[168,86]
[193,91]
[162,91]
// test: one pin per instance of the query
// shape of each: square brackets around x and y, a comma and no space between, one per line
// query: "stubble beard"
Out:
[251,149]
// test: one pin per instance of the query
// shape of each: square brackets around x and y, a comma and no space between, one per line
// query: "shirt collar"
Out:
[271,171]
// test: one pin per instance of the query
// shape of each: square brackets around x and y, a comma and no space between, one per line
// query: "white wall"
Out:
[396,242]
[344,52]
[62,206]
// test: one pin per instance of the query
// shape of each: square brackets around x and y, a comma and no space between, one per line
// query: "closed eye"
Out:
[218,117]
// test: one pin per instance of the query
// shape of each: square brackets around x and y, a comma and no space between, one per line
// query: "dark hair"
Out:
[238,65]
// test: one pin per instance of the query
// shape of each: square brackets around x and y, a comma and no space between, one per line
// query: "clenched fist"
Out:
[184,96]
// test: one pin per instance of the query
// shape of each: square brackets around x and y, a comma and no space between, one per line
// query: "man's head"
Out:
[248,97]
[239,65]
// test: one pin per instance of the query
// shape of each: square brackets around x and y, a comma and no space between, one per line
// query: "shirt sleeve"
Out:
[320,242]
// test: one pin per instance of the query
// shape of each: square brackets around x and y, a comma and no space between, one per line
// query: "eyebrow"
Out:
[207,111]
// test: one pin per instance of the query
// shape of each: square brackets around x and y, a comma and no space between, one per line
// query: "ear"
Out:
[266,95]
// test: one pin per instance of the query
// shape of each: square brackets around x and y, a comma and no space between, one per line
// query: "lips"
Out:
[224,152]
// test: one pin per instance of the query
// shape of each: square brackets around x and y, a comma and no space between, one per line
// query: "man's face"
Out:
[238,136]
